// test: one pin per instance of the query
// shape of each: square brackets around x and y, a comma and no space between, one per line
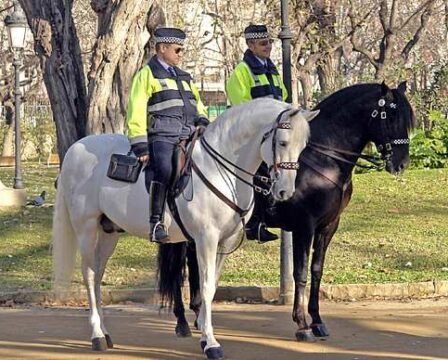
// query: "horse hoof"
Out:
[319,330]
[305,335]
[214,353]
[183,330]
[99,344]
[203,344]
[110,344]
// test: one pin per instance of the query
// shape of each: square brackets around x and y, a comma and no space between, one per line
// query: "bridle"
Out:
[384,147]
[225,163]
[287,165]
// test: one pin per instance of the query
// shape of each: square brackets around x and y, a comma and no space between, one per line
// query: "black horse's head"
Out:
[391,121]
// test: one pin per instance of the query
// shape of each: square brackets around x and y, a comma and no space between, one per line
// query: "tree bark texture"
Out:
[8,141]
[118,54]
[328,72]
[57,45]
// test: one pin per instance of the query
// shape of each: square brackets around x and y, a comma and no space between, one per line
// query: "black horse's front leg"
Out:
[193,280]
[321,241]
[301,249]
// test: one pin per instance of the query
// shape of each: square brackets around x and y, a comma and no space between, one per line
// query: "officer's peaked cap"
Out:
[169,36]
[256,32]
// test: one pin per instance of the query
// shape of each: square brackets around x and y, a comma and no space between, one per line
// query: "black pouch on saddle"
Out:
[124,168]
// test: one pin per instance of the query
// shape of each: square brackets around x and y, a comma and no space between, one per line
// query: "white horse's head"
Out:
[281,148]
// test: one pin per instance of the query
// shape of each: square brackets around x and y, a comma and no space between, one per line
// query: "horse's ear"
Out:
[294,111]
[402,87]
[386,92]
[384,89]
[310,115]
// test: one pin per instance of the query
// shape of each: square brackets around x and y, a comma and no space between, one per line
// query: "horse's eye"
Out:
[283,143]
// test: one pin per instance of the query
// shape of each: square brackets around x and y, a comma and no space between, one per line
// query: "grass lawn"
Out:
[394,230]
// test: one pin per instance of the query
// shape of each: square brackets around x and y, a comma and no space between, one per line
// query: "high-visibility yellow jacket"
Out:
[251,80]
[162,106]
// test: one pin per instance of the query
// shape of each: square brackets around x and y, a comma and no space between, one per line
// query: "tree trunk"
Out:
[328,72]
[57,45]
[118,54]
[8,141]
[307,89]
[295,93]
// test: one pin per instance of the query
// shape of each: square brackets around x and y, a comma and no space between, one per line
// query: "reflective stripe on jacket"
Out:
[249,81]
[157,106]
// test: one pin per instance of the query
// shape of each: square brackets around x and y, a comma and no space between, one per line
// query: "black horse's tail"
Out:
[171,271]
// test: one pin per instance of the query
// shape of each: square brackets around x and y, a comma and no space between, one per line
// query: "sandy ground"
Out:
[359,330]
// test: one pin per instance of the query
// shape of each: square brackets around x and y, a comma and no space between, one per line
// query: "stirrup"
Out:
[262,227]
[153,234]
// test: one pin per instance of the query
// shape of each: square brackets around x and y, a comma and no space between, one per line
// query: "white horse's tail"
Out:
[64,244]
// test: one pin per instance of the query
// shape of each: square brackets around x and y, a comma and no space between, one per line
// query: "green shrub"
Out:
[429,149]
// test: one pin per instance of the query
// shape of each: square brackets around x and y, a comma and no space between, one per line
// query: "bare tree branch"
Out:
[354,39]
[424,19]
[416,13]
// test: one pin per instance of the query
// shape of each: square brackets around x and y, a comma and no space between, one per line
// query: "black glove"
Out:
[140,149]
[201,121]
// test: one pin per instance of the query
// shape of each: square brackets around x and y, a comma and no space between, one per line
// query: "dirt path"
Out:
[359,331]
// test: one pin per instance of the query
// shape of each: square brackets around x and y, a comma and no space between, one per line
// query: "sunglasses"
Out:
[265,42]
[178,50]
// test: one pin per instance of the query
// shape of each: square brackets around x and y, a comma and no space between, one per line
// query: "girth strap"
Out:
[175,212]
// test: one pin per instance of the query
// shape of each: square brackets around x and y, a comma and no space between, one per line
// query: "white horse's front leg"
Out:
[206,253]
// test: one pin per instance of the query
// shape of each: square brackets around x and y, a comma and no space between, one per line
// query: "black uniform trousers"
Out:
[160,167]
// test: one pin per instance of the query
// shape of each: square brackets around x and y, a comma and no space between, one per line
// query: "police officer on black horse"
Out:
[256,76]
[164,109]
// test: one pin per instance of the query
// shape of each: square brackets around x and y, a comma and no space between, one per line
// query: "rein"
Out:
[335,153]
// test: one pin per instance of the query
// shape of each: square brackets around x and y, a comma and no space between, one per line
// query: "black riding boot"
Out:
[255,227]
[256,230]
[157,200]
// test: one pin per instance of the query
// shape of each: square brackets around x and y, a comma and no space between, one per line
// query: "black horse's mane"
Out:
[340,103]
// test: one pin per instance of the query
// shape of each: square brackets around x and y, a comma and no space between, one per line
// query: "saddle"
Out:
[182,165]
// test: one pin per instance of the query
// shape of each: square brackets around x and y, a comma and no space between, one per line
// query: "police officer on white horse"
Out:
[164,109]
[254,77]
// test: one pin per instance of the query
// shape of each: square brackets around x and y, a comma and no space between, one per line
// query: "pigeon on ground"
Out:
[38,200]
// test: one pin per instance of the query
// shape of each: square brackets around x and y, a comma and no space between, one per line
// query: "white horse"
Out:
[262,130]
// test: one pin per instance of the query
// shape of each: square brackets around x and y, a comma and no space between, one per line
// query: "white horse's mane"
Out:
[228,124]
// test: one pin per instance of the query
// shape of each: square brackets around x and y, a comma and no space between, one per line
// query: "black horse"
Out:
[348,120]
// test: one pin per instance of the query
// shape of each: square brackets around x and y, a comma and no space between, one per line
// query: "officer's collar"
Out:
[256,66]
[160,72]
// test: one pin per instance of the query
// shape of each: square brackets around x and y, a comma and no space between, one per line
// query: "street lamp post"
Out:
[17,25]
[286,265]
